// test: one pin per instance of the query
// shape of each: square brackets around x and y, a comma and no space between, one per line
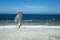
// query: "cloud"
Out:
[27,6]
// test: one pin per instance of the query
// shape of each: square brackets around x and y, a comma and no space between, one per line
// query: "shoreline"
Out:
[29,26]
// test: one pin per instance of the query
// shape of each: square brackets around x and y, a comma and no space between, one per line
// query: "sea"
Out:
[31,19]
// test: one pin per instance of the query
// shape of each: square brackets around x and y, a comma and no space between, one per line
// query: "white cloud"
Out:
[27,6]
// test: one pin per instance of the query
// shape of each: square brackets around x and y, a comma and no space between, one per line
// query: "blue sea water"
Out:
[31,19]
[31,16]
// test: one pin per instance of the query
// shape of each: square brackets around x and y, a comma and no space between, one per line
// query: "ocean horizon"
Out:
[31,19]
[30,16]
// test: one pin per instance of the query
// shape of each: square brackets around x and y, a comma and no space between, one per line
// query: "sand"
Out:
[11,32]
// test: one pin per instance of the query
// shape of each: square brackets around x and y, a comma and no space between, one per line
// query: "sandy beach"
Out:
[30,33]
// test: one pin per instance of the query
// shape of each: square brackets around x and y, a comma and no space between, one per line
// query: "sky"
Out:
[29,6]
